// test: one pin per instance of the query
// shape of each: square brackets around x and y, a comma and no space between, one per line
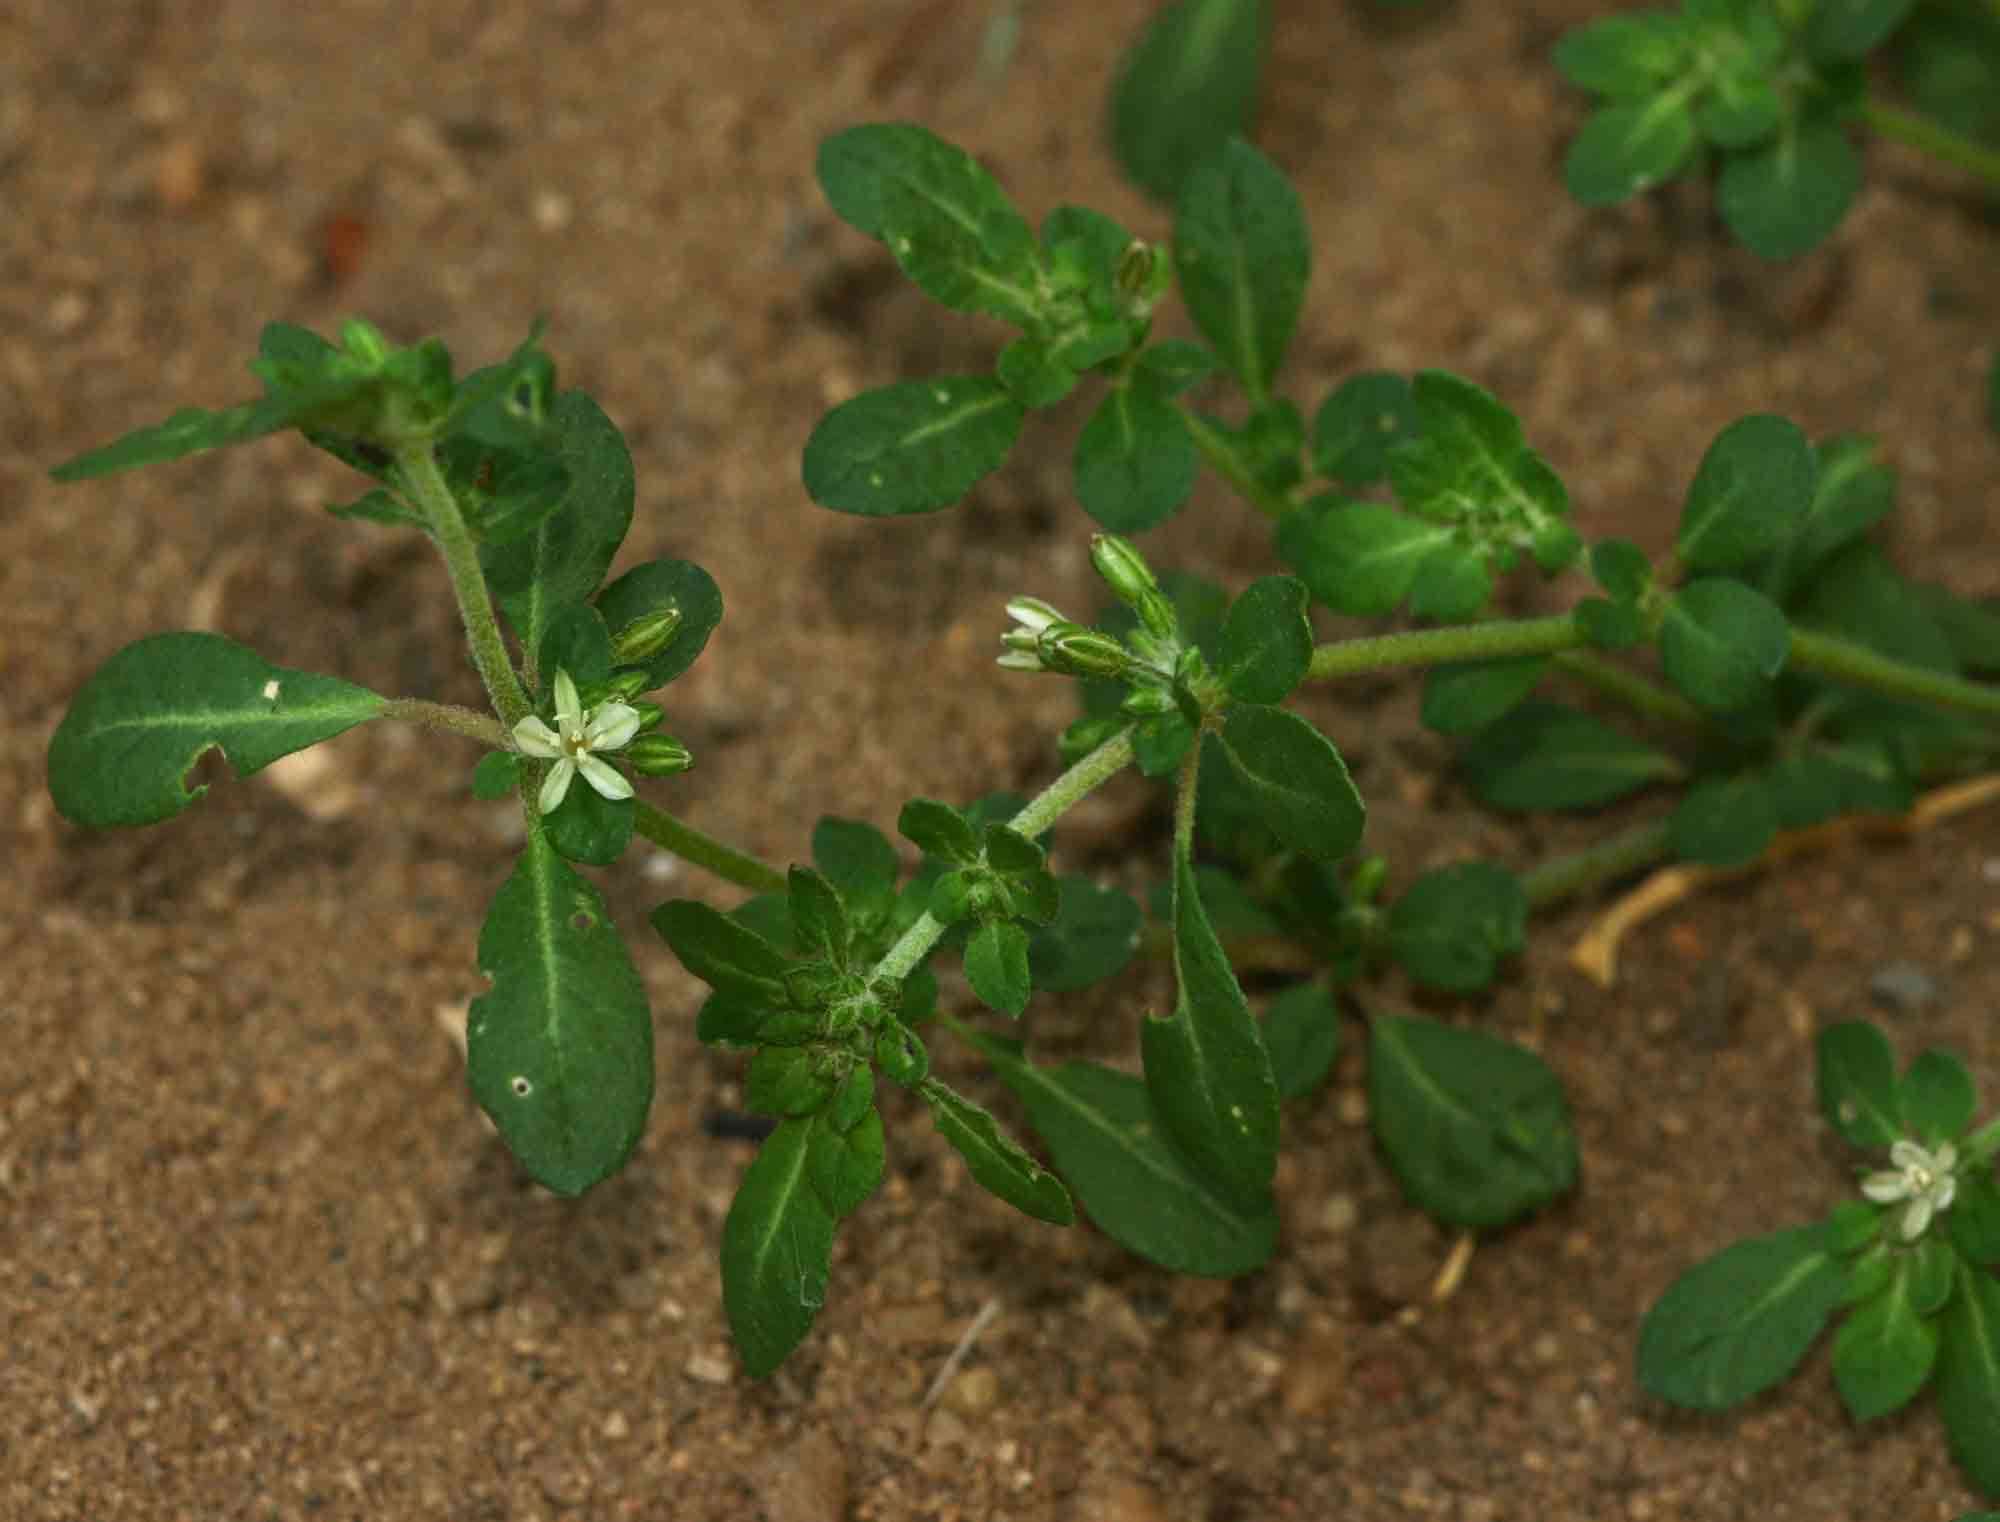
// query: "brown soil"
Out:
[259,1255]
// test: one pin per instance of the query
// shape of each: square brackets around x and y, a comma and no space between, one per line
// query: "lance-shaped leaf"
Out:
[723,954]
[1107,1139]
[566,555]
[996,1161]
[560,1051]
[1466,696]
[1740,1321]
[1295,779]
[947,221]
[1206,1067]
[1476,1128]
[1968,1376]
[1857,1084]
[1243,254]
[1184,87]
[123,752]
[913,447]
[777,1249]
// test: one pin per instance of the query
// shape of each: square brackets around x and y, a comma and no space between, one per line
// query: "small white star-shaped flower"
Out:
[1925,1179]
[575,742]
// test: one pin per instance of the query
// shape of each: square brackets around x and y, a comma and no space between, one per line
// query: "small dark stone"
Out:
[1903,987]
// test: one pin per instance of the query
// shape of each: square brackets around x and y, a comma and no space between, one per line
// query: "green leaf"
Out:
[1453,925]
[1968,1377]
[566,556]
[1185,87]
[1971,629]
[819,919]
[1135,461]
[1884,1352]
[1545,756]
[1788,196]
[859,861]
[723,954]
[1299,784]
[1625,57]
[1850,28]
[496,776]
[1471,465]
[788,1080]
[997,1162]
[1452,583]
[1243,255]
[996,965]
[574,640]
[1035,372]
[1357,557]
[1092,937]
[1267,643]
[1104,1135]
[1206,1068]
[1466,696]
[1725,822]
[946,220]
[938,829]
[1302,1033]
[1475,1128]
[1610,625]
[1938,1097]
[913,447]
[1857,1084]
[657,584]
[1363,418]
[1621,568]
[1859,596]
[777,1250]
[123,752]
[1626,149]
[845,1163]
[589,827]
[560,1051]
[1744,107]
[1753,488]
[1737,1323]
[1721,643]
[1973,1222]
[1851,493]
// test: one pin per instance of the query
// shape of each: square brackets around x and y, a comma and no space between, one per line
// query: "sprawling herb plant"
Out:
[1911,1262]
[1763,92]
[1780,669]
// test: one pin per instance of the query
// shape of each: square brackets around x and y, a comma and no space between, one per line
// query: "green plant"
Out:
[824,977]
[1911,1263]
[1767,88]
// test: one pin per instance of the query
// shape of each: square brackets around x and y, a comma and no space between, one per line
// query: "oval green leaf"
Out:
[1752,490]
[1185,87]
[1856,1079]
[1722,642]
[1295,778]
[1243,255]
[913,447]
[777,1250]
[122,754]
[1135,462]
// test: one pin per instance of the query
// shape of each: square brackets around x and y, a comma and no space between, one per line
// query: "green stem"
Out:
[1567,877]
[1862,667]
[1931,137]
[1642,695]
[1979,1147]
[1491,641]
[426,484]
[1055,800]
[691,845]
[451,718]
[1220,452]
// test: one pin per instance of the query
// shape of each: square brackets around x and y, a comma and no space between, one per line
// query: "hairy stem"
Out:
[1640,694]
[1567,877]
[1494,640]
[691,845]
[1824,655]
[1932,137]
[1055,800]
[451,718]
[426,484]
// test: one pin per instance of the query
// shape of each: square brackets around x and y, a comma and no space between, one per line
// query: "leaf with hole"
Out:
[133,733]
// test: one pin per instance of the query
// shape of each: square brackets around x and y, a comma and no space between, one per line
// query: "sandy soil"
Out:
[259,1256]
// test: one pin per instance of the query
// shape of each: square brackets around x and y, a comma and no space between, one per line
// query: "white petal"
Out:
[611,726]
[569,709]
[1907,1154]
[1946,1158]
[555,786]
[1916,1216]
[606,779]
[1886,1188]
[1945,1192]
[536,739]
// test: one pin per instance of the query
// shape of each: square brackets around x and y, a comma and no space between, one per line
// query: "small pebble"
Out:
[1903,987]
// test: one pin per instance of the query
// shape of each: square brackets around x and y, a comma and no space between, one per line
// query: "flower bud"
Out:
[626,685]
[1077,651]
[1134,273]
[657,755]
[646,636]
[1125,571]
[364,341]
[649,714]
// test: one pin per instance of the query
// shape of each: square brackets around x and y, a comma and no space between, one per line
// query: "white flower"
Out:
[1923,1178]
[574,742]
